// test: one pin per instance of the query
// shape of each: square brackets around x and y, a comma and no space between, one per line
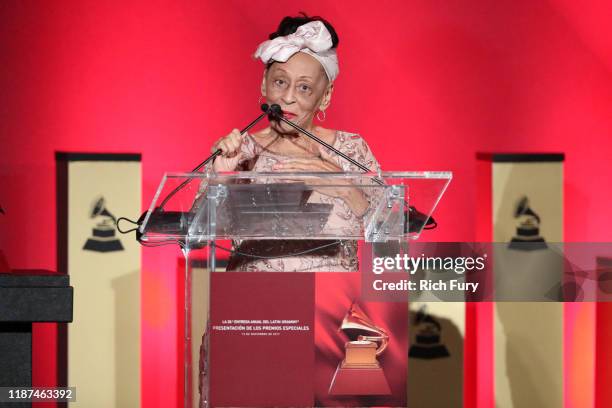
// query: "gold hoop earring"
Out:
[321,111]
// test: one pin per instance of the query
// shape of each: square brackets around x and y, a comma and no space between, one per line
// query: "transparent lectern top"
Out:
[196,207]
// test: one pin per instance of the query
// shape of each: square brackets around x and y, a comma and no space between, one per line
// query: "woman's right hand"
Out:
[231,152]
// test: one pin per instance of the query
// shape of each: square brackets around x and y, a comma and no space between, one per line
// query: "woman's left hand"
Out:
[353,196]
[314,164]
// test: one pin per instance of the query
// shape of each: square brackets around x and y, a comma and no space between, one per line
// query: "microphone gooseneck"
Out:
[267,111]
[277,112]
[264,107]
[414,213]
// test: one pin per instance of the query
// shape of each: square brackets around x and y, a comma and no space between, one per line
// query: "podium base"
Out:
[359,381]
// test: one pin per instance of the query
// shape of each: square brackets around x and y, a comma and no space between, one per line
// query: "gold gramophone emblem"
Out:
[360,373]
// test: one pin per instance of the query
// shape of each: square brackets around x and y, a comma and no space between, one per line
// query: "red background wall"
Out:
[427,83]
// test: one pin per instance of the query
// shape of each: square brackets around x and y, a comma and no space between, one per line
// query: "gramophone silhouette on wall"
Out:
[427,343]
[103,234]
[527,236]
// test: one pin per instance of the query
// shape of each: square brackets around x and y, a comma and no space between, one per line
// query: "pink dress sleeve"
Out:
[355,146]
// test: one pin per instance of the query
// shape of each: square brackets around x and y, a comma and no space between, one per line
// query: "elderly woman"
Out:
[300,68]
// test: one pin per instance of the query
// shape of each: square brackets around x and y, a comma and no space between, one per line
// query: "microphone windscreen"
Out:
[265,107]
[276,109]
[275,112]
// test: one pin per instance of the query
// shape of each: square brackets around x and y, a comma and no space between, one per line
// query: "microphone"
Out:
[267,111]
[275,111]
[416,219]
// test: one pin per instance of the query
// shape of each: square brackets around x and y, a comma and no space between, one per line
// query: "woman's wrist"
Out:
[221,164]
[356,200]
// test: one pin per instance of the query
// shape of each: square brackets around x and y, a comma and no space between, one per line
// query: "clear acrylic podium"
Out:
[213,211]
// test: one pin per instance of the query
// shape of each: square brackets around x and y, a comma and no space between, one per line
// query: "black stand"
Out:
[27,297]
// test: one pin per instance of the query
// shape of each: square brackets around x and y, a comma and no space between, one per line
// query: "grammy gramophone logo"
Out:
[428,338]
[360,373]
[103,237]
[527,236]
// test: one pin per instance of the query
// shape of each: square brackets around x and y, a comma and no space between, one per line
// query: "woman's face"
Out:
[300,87]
